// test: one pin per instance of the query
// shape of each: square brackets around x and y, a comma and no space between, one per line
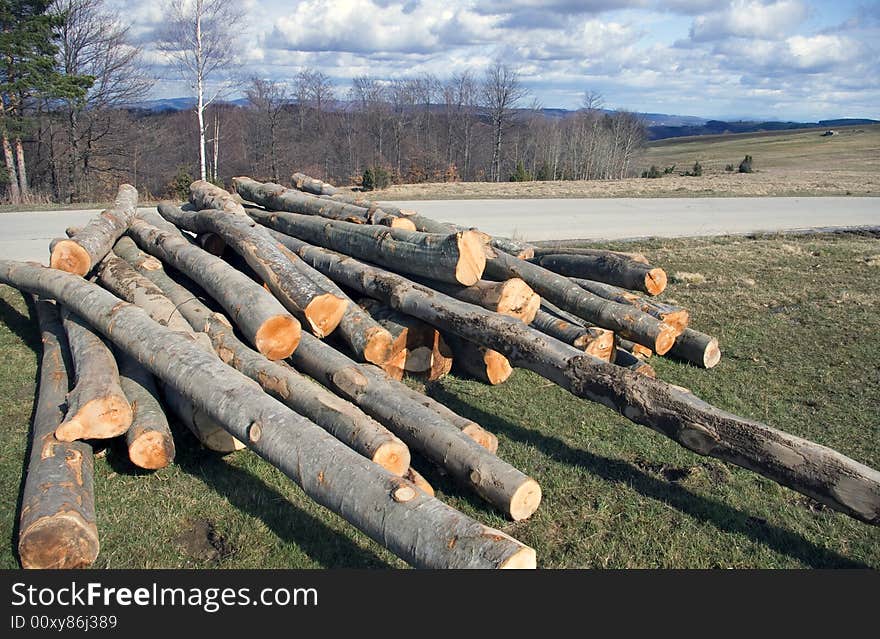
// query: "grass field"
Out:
[797,319]
[786,163]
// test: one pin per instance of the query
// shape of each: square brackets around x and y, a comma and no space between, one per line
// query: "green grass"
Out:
[797,319]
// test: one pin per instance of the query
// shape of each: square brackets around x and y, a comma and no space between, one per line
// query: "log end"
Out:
[665,338]
[393,456]
[517,299]
[69,256]
[598,342]
[525,500]
[394,365]
[498,368]
[403,223]
[63,540]
[655,281]
[441,359]
[278,337]
[523,559]
[100,418]
[482,436]
[642,352]
[420,482]
[679,319]
[643,368]
[325,312]
[151,450]
[712,354]
[471,258]
[378,345]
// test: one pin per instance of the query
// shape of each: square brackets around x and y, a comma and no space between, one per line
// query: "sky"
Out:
[755,59]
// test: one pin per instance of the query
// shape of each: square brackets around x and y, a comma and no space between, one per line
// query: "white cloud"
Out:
[750,19]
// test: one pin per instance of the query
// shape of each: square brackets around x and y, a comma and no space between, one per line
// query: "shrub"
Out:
[520,174]
[179,185]
[697,171]
[730,168]
[653,172]
[669,169]
[543,173]
[746,165]
[376,177]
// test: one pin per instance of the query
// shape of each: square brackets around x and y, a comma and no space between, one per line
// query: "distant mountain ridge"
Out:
[660,125]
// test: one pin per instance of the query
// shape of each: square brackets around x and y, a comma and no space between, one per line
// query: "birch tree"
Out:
[502,93]
[200,39]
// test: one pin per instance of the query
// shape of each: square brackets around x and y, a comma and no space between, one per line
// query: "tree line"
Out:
[70,132]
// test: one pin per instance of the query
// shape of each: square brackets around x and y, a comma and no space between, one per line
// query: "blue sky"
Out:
[768,59]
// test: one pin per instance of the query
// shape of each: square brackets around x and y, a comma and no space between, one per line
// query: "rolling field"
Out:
[797,321]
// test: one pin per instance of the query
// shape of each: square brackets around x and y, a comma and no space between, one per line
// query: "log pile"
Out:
[195,314]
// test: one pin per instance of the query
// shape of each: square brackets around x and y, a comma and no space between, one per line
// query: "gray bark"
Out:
[697,348]
[149,441]
[672,315]
[595,341]
[610,269]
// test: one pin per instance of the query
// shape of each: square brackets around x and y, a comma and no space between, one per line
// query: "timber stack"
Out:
[284,319]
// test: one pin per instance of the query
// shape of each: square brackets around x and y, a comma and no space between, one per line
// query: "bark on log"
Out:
[610,269]
[458,258]
[595,341]
[812,469]
[422,429]
[317,308]
[672,315]
[275,197]
[122,279]
[484,364]
[57,521]
[98,236]
[263,320]
[422,530]
[623,319]
[522,250]
[511,297]
[343,420]
[204,195]
[149,441]
[312,185]
[626,359]
[541,251]
[697,348]
[96,407]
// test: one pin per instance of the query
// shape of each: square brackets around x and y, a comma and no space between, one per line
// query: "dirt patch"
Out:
[669,473]
[683,277]
[201,541]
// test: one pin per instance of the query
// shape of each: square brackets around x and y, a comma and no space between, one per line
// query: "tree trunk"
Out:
[812,469]
[96,407]
[673,315]
[275,197]
[264,321]
[595,341]
[308,184]
[97,237]
[697,348]
[149,440]
[522,250]
[204,195]
[625,359]
[313,186]
[422,429]
[609,269]
[484,364]
[281,270]
[12,174]
[511,297]
[57,521]
[457,258]
[420,529]
[22,169]
[620,318]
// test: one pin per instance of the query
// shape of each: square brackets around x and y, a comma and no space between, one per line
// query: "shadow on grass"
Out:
[252,495]
[719,514]
[22,325]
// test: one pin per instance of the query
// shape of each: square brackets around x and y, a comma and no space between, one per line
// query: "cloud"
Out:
[749,19]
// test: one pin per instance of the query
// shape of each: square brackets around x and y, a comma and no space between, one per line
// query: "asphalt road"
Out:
[26,236]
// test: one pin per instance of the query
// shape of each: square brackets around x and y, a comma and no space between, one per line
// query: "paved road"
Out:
[26,236]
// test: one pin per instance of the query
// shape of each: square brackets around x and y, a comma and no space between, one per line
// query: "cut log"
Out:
[421,428]
[610,269]
[118,276]
[595,341]
[422,531]
[672,315]
[94,241]
[626,359]
[340,418]
[458,258]
[420,482]
[623,319]
[57,521]
[484,364]
[264,321]
[204,195]
[312,185]
[522,250]
[275,197]
[149,440]
[317,308]
[697,348]
[470,428]
[812,469]
[642,352]
[96,407]
[541,251]
[511,297]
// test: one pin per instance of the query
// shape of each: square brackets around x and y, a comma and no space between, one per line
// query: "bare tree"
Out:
[199,39]
[501,93]
[268,98]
